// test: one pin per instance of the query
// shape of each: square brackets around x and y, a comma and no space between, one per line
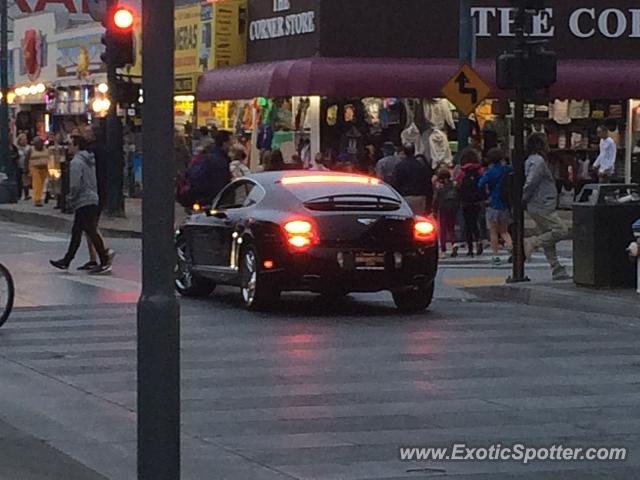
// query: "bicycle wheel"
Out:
[7,294]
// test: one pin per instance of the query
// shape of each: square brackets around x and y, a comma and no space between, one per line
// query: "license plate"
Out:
[368,261]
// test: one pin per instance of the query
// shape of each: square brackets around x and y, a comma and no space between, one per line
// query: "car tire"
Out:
[414,300]
[256,294]
[187,283]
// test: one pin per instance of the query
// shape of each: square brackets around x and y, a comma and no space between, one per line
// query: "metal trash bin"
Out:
[602,216]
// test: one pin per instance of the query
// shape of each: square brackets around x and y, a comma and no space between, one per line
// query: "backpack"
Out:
[186,194]
[470,194]
[506,189]
[448,198]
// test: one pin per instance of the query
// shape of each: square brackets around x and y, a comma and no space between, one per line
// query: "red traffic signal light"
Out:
[123,18]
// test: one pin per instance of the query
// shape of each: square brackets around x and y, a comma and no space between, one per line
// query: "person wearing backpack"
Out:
[496,180]
[471,197]
[446,205]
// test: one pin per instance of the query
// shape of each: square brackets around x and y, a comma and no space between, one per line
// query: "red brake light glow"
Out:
[300,234]
[424,230]
[328,179]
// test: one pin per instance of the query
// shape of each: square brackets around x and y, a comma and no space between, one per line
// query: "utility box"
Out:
[602,217]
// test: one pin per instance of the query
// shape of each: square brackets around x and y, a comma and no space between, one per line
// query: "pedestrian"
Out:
[23,177]
[471,198]
[606,162]
[93,137]
[428,210]
[14,156]
[446,206]
[211,174]
[412,180]
[238,166]
[386,166]
[39,170]
[181,154]
[541,197]
[319,164]
[495,180]
[83,197]
[274,162]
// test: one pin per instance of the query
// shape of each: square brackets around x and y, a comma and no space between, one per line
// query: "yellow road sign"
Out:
[466,90]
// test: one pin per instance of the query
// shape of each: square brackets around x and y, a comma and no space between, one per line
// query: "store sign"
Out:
[280,29]
[33,6]
[187,42]
[184,85]
[575,28]
[285,25]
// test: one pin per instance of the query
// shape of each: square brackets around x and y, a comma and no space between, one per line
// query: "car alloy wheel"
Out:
[249,277]
[184,267]
[187,283]
[255,294]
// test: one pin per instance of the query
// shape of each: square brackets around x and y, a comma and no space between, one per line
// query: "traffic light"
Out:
[540,69]
[118,39]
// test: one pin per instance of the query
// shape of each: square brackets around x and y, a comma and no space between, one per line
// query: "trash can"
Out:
[602,217]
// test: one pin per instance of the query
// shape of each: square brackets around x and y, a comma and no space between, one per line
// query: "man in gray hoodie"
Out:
[83,197]
[541,196]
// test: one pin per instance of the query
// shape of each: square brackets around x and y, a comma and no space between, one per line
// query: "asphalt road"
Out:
[317,390]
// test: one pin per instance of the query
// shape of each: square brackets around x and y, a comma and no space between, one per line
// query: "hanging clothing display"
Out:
[301,114]
[561,112]
[440,149]
[438,113]
[579,109]
[412,136]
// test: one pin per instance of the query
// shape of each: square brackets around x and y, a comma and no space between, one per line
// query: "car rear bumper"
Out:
[320,270]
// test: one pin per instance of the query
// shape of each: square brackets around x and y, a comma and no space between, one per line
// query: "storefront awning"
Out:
[423,78]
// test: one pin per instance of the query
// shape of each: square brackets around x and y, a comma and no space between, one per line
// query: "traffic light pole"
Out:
[115,154]
[465,54]
[158,308]
[8,188]
[519,152]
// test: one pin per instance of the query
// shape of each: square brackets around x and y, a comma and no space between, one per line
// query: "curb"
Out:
[58,223]
[581,299]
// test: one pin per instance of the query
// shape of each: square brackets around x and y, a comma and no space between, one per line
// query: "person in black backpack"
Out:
[471,197]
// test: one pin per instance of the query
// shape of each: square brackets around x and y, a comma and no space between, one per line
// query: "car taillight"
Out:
[424,230]
[300,234]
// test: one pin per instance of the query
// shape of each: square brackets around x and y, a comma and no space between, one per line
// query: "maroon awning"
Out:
[383,77]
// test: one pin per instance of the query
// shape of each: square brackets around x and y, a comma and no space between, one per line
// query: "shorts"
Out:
[498,216]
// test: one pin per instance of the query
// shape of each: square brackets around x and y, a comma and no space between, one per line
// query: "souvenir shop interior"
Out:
[353,129]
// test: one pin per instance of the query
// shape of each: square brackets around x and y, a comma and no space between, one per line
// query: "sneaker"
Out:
[470,254]
[100,269]
[88,266]
[59,264]
[497,261]
[480,249]
[560,274]
[454,251]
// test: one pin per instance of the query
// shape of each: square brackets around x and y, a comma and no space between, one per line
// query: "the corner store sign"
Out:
[580,22]
[285,24]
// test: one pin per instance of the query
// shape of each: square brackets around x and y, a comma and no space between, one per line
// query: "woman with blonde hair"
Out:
[24,153]
[39,169]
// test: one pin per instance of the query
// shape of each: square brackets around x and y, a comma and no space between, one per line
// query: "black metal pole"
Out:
[158,308]
[465,56]
[8,188]
[115,154]
[519,153]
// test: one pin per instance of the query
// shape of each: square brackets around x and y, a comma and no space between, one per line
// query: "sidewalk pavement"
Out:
[26,213]
[24,457]
[130,226]
[476,279]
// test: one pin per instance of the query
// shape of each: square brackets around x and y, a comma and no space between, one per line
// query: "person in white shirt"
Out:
[606,162]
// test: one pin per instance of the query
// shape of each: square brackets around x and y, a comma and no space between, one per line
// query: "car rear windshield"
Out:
[338,197]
